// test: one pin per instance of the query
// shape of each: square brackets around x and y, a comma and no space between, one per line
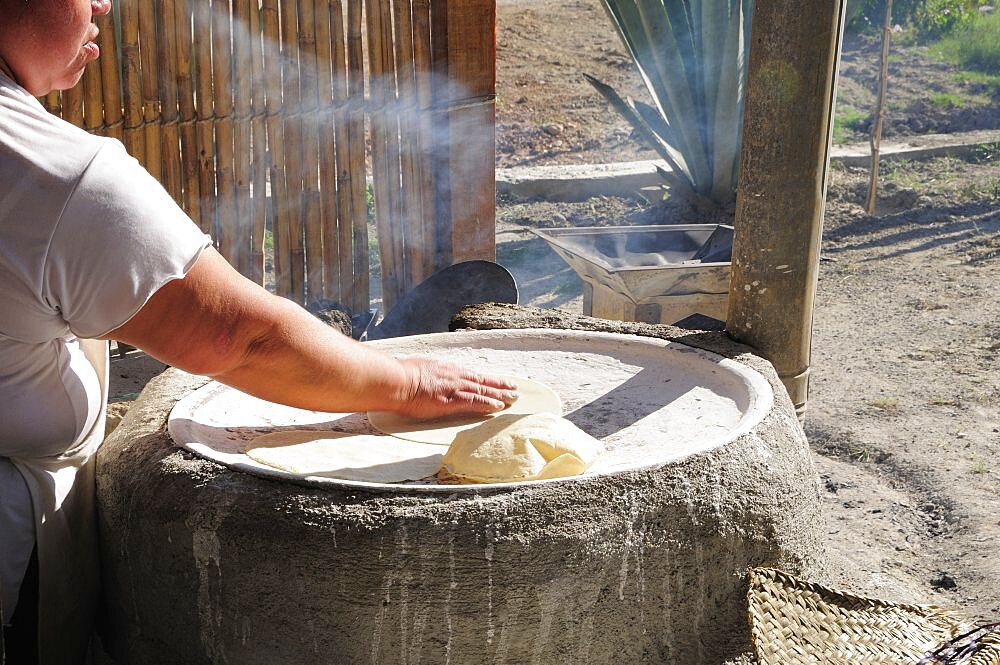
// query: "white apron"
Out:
[62,495]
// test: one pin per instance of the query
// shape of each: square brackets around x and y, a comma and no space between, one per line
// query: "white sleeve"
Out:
[119,239]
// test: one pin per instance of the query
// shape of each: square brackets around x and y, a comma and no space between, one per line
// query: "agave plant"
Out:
[692,56]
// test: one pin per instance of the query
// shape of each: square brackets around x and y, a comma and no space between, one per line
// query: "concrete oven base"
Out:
[208,565]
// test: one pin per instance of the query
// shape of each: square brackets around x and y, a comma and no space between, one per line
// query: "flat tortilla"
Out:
[356,457]
[533,397]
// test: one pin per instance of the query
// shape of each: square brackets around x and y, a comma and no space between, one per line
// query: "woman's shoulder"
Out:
[36,143]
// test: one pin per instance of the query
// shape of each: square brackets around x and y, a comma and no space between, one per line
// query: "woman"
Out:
[92,248]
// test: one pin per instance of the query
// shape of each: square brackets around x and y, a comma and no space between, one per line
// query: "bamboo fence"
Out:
[267,119]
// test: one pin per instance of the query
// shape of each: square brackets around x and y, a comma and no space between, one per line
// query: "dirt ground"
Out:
[904,410]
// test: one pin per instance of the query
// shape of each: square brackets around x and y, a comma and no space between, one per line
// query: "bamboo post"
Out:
[385,173]
[242,91]
[225,182]
[93,99]
[132,95]
[272,68]
[186,111]
[72,105]
[327,146]
[787,126]
[53,103]
[360,300]
[110,77]
[148,55]
[411,208]
[259,138]
[292,97]
[345,184]
[875,139]
[423,70]
[309,69]
[202,46]
[171,178]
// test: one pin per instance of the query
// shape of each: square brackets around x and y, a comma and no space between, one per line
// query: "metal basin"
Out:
[655,274]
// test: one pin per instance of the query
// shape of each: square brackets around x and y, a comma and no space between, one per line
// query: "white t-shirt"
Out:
[86,237]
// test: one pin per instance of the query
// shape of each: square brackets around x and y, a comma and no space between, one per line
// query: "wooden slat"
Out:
[385,169]
[225,181]
[171,177]
[310,112]
[132,91]
[202,46]
[423,72]
[187,115]
[110,77]
[72,105]
[243,38]
[415,248]
[345,206]
[360,300]
[259,138]
[93,102]
[291,99]
[276,146]
[148,56]
[327,146]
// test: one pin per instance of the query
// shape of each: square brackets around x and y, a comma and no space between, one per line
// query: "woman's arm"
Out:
[217,323]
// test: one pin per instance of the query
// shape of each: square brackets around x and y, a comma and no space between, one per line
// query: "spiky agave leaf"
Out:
[691,55]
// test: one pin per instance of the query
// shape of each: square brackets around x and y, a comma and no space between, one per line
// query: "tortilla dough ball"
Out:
[516,447]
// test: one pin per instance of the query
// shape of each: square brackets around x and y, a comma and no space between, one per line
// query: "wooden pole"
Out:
[326,129]
[876,135]
[187,115]
[276,145]
[110,76]
[93,99]
[259,138]
[356,129]
[292,97]
[72,105]
[172,176]
[202,45]
[423,71]
[787,126]
[148,56]
[464,52]
[385,171]
[222,76]
[242,92]
[353,176]
[411,206]
[312,220]
[132,97]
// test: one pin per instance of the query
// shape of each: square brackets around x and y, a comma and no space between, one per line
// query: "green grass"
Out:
[975,46]
[947,100]
[847,118]
[980,467]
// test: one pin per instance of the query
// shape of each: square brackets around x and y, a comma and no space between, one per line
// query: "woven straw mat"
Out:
[794,621]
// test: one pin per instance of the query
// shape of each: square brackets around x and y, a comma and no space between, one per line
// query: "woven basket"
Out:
[794,621]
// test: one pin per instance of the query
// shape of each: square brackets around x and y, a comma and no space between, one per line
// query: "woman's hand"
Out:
[440,389]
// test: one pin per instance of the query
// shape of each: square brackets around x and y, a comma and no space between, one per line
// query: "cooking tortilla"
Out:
[357,457]
[533,397]
[513,448]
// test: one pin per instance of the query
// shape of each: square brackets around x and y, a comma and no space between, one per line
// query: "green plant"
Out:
[692,56]
[979,44]
[980,467]
[934,18]
[946,100]
[847,117]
